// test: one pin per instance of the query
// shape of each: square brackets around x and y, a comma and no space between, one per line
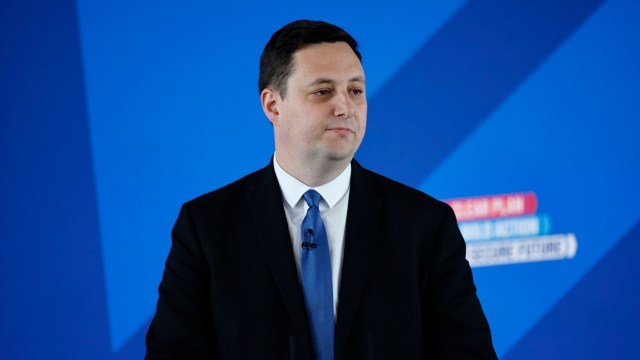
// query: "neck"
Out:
[312,173]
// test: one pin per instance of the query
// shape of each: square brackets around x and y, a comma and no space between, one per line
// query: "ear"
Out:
[270,100]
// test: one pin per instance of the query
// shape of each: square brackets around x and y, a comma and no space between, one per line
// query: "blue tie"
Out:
[315,265]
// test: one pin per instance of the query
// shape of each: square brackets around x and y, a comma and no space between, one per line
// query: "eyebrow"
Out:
[329,81]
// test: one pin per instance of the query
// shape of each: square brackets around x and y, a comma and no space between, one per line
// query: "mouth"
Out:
[341,130]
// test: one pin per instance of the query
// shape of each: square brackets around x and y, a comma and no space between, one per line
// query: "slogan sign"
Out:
[505,229]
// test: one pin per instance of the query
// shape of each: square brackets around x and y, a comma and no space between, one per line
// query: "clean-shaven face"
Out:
[324,113]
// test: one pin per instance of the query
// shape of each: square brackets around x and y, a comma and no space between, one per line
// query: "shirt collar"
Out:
[293,189]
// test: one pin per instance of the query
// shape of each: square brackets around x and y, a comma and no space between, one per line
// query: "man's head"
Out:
[277,56]
[320,123]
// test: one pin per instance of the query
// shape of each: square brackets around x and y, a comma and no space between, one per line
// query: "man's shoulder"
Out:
[398,194]
[234,191]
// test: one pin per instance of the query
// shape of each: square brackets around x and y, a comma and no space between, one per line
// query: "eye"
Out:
[357,91]
[322,92]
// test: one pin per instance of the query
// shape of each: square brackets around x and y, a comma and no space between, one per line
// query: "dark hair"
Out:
[276,60]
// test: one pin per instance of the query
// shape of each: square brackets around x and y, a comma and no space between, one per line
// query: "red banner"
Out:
[494,206]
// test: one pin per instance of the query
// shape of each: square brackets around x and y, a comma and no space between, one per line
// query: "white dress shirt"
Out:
[333,210]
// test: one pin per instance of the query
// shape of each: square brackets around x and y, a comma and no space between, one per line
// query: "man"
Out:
[314,257]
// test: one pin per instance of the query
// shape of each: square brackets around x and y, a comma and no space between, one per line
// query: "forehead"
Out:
[335,61]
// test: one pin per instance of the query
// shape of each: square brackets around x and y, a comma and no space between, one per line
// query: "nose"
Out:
[344,106]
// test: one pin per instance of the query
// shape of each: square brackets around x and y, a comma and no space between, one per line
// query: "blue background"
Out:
[114,113]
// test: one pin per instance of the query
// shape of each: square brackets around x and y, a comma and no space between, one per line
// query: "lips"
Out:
[342,127]
[341,130]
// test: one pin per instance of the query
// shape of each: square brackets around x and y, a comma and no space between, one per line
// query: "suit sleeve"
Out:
[458,326]
[182,325]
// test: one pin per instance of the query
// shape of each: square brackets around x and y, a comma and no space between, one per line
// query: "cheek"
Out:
[306,124]
[362,120]
[299,131]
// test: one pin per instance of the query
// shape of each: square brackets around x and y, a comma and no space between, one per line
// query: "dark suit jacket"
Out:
[230,288]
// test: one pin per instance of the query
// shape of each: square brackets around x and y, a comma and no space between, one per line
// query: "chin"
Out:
[345,155]
[340,151]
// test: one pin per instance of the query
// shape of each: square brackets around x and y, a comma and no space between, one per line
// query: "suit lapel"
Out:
[265,201]
[360,244]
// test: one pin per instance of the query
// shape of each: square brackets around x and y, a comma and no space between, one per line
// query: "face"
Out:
[323,116]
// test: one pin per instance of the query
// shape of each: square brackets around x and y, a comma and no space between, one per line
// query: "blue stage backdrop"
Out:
[522,115]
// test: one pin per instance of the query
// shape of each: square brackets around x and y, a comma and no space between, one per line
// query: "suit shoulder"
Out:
[395,192]
[227,194]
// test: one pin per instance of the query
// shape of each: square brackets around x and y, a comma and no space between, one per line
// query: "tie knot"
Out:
[312,198]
